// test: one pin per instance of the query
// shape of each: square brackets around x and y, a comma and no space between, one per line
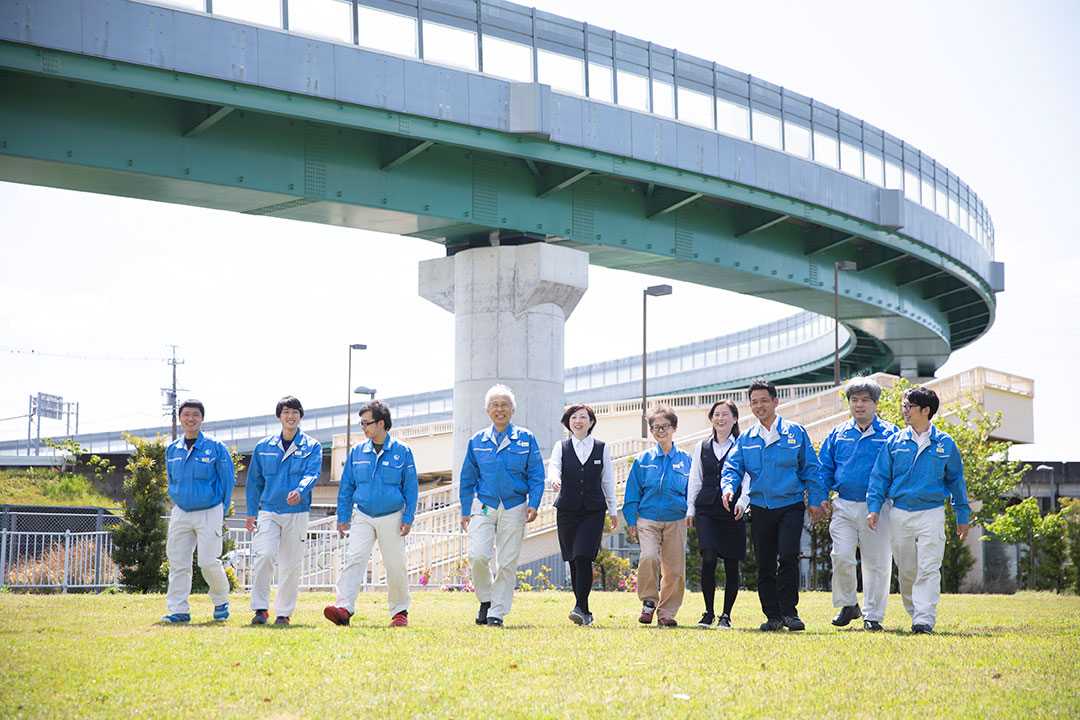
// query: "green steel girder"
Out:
[821,239]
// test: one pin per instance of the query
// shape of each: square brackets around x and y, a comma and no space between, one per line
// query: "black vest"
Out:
[581,484]
[711,469]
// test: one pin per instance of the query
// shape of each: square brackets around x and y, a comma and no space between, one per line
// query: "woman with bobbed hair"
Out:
[582,474]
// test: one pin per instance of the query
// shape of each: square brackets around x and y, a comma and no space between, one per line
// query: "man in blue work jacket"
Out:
[284,470]
[917,469]
[847,456]
[783,469]
[376,501]
[654,507]
[201,478]
[502,481]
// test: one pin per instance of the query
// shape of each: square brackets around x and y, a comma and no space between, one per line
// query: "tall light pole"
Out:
[655,291]
[362,390]
[837,267]
[1053,488]
[348,403]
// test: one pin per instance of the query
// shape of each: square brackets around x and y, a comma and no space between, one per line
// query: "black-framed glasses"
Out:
[365,423]
[658,428]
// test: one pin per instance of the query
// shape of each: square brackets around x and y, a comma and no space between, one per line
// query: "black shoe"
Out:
[922,629]
[846,615]
[588,619]
[494,622]
[577,616]
[724,623]
[706,620]
[872,626]
[793,623]
[481,614]
[261,617]
[771,625]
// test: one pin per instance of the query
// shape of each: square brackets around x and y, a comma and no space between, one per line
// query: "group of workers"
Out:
[889,489]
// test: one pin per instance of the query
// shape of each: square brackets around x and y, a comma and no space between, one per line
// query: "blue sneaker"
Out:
[221,612]
[176,618]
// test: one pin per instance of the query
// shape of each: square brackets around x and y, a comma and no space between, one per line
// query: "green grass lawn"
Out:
[48,486]
[105,656]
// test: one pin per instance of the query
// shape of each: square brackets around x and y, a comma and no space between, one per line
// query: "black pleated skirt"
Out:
[717,529]
[580,532]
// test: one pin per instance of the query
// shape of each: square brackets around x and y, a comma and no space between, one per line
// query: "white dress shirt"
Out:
[583,449]
[695,482]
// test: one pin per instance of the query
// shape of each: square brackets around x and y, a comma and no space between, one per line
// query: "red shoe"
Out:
[667,622]
[336,615]
[648,609]
[400,620]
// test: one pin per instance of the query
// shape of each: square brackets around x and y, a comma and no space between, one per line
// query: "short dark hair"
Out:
[289,402]
[573,409]
[924,398]
[730,404]
[761,384]
[662,411]
[379,411]
[191,403]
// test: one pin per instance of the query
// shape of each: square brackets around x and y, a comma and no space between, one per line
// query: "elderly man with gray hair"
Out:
[502,481]
[847,457]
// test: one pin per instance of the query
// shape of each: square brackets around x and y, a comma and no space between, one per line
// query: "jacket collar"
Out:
[490,433]
[369,447]
[300,440]
[877,424]
[758,430]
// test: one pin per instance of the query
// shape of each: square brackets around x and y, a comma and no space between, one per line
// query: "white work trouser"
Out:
[281,535]
[363,531]
[848,529]
[188,530]
[918,544]
[497,536]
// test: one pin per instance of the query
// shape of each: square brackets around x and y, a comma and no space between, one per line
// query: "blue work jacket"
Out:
[847,457]
[202,477]
[656,486]
[379,484]
[508,472]
[274,473]
[919,481]
[781,473]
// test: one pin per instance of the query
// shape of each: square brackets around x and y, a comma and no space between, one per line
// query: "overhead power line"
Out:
[68,356]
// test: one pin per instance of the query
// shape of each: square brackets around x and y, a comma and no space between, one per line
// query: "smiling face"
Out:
[663,431]
[290,420]
[581,424]
[191,419]
[722,420]
[916,416]
[862,408]
[500,410]
[763,406]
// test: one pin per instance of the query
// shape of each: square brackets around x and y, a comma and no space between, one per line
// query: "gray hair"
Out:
[859,385]
[500,389]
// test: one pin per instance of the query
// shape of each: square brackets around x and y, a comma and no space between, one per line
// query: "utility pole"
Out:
[170,392]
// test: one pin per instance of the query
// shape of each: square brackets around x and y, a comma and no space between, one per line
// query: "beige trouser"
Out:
[918,544]
[663,558]
[496,536]
[279,535]
[188,530]
[363,531]
[849,530]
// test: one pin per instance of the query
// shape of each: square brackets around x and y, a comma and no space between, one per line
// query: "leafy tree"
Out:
[957,560]
[70,450]
[1022,523]
[1051,549]
[1070,513]
[139,541]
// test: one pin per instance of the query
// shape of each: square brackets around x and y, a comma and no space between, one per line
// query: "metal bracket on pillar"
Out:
[559,178]
[206,117]
[395,151]
[821,239]
[666,200]
[532,167]
[751,220]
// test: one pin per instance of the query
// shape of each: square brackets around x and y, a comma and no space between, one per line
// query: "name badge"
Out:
[792,441]
[523,443]
[597,462]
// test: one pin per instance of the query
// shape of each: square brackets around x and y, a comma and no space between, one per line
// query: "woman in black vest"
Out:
[721,533]
[584,477]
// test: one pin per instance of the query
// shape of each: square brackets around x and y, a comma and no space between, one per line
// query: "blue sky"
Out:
[989,88]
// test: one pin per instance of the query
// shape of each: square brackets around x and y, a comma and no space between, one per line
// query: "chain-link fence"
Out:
[57,560]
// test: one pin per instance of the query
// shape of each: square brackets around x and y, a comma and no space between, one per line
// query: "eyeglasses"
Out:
[660,428]
[907,406]
[365,423]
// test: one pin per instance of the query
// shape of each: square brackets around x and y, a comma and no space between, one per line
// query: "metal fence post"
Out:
[3,556]
[67,556]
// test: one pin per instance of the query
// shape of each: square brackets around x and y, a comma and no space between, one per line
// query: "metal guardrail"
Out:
[57,560]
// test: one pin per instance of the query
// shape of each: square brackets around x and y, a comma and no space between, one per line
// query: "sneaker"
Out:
[667,622]
[794,623]
[221,612]
[706,620]
[494,622]
[648,609]
[400,619]
[922,629]
[176,618]
[771,625]
[282,620]
[588,619]
[336,615]
[872,626]
[261,616]
[724,623]
[577,616]
[846,615]
[481,614]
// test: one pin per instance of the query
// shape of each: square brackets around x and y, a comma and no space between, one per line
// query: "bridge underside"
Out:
[89,124]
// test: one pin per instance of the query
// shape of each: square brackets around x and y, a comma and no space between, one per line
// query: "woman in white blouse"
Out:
[721,533]
[582,474]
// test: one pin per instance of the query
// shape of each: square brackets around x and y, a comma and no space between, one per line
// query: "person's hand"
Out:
[465,523]
[530,514]
[250,523]
[962,531]
[342,528]
[727,498]
[689,521]
[871,520]
[293,498]
[404,529]
[614,522]
[826,508]
[632,532]
[816,513]
[556,484]
[739,512]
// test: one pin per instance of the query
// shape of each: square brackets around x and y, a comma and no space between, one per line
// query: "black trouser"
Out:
[777,533]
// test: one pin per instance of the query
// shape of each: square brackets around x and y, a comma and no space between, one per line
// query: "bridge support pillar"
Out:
[510,305]
[909,367]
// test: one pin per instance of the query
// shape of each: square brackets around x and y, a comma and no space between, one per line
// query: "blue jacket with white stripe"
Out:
[780,473]
[847,457]
[916,480]
[509,472]
[379,484]
[202,477]
[275,472]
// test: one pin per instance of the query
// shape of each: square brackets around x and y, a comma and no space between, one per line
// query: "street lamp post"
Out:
[837,267]
[363,390]
[655,291]
[1053,487]
[348,402]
